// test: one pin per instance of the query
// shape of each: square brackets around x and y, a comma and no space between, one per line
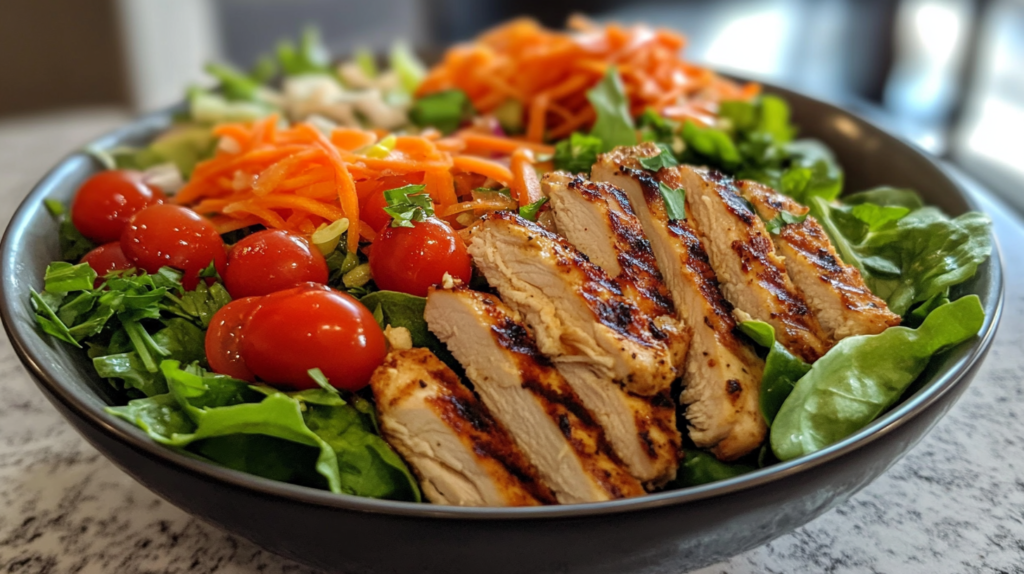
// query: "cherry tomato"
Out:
[107,258]
[272,260]
[107,200]
[174,236]
[411,259]
[373,212]
[308,327]
[224,338]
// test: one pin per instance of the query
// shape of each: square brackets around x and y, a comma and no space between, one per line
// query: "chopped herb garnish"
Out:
[675,201]
[408,204]
[784,218]
[530,211]
[660,161]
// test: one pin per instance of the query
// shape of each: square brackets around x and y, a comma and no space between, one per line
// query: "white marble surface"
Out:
[954,504]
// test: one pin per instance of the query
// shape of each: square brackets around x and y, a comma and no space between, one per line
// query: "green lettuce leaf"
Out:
[863,376]
[614,124]
[781,369]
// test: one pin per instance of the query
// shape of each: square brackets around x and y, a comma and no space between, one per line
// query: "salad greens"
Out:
[781,369]
[445,110]
[577,153]
[404,310]
[614,124]
[701,467]
[863,376]
[312,437]
[530,211]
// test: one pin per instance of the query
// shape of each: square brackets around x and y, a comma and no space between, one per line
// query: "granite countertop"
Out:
[954,504]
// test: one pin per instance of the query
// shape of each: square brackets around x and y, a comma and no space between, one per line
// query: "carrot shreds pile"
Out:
[549,73]
[298,178]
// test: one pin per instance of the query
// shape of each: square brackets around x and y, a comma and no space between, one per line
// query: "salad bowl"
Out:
[671,531]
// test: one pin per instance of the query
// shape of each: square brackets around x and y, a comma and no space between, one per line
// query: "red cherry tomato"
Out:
[176,237]
[224,338]
[411,259]
[373,212]
[310,327]
[270,261]
[107,200]
[107,258]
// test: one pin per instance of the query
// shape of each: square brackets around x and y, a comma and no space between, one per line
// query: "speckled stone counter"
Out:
[954,504]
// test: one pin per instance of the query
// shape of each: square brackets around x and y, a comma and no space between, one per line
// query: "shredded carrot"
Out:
[549,73]
[491,169]
[477,205]
[525,183]
[480,143]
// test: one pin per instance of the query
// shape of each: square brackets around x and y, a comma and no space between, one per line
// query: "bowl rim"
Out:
[136,439]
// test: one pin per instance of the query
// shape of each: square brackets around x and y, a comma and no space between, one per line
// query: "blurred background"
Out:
[946,74]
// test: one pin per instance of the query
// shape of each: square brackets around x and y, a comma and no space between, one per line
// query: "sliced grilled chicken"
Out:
[722,375]
[752,275]
[578,313]
[835,291]
[529,397]
[598,220]
[460,454]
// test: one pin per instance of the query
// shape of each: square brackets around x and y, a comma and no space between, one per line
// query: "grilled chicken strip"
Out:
[529,397]
[583,324]
[578,313]
[722,375]
[752,275]
[598,220]
[460,454]
[835,291]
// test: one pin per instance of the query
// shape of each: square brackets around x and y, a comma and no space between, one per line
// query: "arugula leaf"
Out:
[49,321]
[614,124]
[73,245]
[62,277]
[662,160]
[445,110]
[784,218]
[530,211]
[577,153]
[863,376]
[320,379]
[408,204]
[781,369]
[675,201]
[202,302]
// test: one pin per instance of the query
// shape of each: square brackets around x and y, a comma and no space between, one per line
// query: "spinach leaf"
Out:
[911,259]
[863,376]
[876,216]
[701,467]
[781,369]
[531,211]
[404,310]
[614,124]
[577,153]
[886,197]
[445,110]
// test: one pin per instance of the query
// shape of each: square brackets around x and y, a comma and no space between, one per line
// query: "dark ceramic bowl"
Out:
[666,532]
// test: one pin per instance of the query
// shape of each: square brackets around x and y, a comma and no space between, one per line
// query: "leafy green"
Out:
[404,310]
[614,124]
[408,204]
[662,160]
[55,207]
[62,277]
[784,218]
[577,153]
[911,259]
[876,216]
[73,245]
[863,376]
[781,369]
[445,110]
[700,467]
[309,437]
[675,201]
[510,116]
[530,211]
[655,128]
[886,197]
[409,68]
[310,57]
[234,84]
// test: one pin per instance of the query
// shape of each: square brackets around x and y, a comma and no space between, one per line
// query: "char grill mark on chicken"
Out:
[835,292]
[578,313]
[599,221]
[752,276]
[722,374]
[529,397]
[460,454]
